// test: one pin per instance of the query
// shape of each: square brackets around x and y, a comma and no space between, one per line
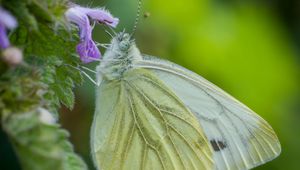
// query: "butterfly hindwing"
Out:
[240,139]
[141,124]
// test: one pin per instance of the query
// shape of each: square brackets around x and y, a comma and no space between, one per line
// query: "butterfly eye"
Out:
[124,45]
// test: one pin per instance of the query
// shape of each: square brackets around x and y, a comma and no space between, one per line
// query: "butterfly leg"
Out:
[84,73]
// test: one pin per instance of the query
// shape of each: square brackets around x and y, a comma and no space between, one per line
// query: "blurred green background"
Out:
[249,48]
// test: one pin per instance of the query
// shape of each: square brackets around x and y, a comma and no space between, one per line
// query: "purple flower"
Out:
[81,16]
[7,21]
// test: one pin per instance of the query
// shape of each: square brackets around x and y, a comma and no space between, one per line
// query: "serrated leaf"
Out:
[44,80]
[50,53]
[40,145]
[65,95]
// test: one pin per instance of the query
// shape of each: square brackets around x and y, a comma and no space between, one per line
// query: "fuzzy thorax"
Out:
[118,58]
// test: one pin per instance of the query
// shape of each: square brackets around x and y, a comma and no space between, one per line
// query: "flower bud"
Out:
[12,56]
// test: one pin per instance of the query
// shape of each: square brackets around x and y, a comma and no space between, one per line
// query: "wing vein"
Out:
[145,154]
[165,121]
[186,141]
[142,134]
[175,97]
[223,112]
[157,85]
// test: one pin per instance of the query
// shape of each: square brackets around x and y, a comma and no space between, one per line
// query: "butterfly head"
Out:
[123,41]
[119,56]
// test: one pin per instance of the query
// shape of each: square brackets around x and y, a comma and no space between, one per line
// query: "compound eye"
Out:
[124,45]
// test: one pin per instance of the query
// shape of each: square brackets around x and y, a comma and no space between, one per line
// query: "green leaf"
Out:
[49,49]
[43,80]
[40,144]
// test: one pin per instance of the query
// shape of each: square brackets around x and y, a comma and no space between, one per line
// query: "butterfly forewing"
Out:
[240,138]
[146,126]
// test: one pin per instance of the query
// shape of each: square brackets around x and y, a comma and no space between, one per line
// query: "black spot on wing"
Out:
[218,145]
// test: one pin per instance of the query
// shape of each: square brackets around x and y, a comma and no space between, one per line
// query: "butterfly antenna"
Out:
[137,18]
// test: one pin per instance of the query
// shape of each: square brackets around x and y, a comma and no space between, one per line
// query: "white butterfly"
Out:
[153,114]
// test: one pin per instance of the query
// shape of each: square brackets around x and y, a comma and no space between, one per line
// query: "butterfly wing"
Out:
[140,123]
[239,137]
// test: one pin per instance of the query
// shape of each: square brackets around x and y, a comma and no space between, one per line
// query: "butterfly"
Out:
[152,114]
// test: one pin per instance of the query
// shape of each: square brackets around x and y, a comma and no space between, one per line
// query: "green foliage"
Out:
[20,91]
[32,12]
[40,145]
[44,80]
[47,51]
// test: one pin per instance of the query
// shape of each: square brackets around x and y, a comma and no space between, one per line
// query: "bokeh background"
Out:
[249,48]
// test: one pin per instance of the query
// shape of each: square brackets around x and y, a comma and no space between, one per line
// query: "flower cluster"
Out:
[11,55]
[81,16]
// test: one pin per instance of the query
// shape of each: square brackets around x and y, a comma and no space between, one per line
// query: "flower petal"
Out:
[4,41]
[81,20]
[100,15]
[80,16]
[7,20]
[88,51]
